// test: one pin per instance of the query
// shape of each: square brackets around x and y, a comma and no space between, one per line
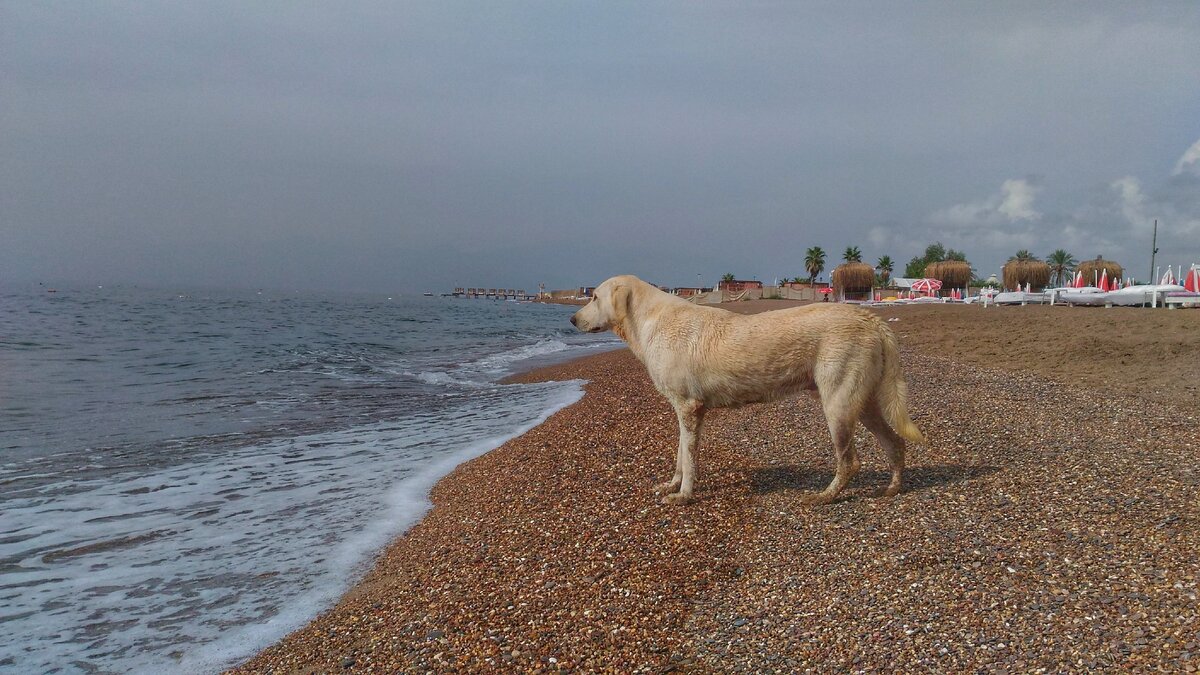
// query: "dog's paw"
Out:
[677,499]
[667,487]
[889,491]
[818,499]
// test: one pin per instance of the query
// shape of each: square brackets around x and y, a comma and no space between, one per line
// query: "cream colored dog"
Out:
[704,357]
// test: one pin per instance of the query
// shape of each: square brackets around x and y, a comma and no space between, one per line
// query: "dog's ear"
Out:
[620,303]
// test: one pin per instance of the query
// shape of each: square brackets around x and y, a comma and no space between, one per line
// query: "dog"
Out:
[702,358]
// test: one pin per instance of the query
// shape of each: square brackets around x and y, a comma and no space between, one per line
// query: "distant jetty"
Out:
[498,293]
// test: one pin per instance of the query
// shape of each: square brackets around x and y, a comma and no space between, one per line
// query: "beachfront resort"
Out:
[940,276]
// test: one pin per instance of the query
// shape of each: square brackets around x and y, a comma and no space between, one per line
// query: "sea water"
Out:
[187,476]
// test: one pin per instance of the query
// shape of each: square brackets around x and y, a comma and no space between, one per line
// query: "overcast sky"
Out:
[419,146]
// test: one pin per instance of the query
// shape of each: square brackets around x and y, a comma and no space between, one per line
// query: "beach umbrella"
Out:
[927,285]
[1168,277]
[1193,280]
[1103,283]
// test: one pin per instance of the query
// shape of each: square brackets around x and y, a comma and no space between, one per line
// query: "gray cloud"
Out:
[413,146]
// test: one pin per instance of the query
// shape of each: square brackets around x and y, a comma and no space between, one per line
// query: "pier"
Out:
[497,293]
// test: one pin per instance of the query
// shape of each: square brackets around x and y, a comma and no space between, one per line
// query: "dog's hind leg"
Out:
[891,442]
[842,408]
[691,420]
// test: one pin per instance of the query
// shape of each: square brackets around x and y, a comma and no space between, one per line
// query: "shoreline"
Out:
[553,547]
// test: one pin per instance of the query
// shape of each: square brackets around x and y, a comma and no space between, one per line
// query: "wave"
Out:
[405,504]
[498,363]
[488,369]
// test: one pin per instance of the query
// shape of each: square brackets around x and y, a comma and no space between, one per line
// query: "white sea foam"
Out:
[502,361]
[200,565]
[178,495]
[483,371]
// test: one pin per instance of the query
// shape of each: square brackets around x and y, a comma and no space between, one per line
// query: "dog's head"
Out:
[608,308]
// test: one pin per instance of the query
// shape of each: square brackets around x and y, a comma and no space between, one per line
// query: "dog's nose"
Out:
[573,321]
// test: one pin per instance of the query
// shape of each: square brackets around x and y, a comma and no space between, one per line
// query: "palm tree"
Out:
[885,266]
[1023,256]
[852,254]
[1060,262]
[814,262]
[726,279]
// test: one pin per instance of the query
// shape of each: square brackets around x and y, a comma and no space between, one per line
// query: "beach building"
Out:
[952,273]
[687,292]
[853,282]
[1031,274]
[739,285]
[1092,270]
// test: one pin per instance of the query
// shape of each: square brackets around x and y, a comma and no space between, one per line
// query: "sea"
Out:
[186,476]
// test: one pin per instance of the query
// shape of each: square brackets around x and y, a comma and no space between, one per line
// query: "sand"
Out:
[1042,527]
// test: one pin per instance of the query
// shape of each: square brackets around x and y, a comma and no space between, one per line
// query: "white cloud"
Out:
[1190,161]
[1170,206]
[1115,220]
[1017,201]
[1013,204]
[1131,201]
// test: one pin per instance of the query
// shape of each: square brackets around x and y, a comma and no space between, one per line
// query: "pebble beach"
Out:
[1051,523]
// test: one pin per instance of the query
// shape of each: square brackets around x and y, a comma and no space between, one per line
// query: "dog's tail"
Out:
[893,391]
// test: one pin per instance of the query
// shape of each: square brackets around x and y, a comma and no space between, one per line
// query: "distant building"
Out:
[739,285]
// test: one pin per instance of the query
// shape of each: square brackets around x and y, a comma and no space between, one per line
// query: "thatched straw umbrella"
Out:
[1017,273]
[952,273]
[854,277]
[1092,269]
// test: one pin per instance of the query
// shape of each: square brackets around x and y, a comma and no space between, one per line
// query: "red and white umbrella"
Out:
[926,285]
[1193,280]
[1103,284]
[1079,279]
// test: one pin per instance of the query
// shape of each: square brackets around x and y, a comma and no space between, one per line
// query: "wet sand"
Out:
[1051,522]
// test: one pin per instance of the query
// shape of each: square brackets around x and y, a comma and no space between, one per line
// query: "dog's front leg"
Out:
[691,419]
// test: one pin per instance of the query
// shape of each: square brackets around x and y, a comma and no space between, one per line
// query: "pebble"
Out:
[1043,528]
